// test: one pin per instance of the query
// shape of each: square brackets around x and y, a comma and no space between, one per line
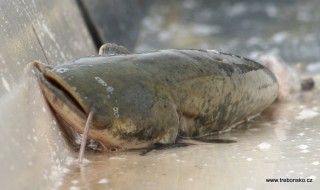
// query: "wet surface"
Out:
[33,152]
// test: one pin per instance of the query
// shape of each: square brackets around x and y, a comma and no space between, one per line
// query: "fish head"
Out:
[72,95]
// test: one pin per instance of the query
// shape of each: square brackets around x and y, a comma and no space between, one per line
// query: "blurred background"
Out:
[288,28]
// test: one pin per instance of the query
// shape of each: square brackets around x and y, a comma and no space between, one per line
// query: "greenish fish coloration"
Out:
[138,100]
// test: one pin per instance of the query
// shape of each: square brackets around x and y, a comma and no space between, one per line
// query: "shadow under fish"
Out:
[120,100]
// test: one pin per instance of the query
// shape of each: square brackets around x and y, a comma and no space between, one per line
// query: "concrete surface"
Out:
[33,150]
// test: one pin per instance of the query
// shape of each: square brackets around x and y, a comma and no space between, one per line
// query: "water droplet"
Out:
[264,146]
[103,181]
[312,177]
[35,139]
[306,114]
[65,170]
[303,146]
[74,188]
[5,84]
[117,158]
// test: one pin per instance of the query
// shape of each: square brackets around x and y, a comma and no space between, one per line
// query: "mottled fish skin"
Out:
[147,98]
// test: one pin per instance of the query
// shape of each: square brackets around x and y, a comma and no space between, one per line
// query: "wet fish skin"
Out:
[148,98]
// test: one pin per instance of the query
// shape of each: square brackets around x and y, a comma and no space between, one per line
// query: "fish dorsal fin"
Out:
[113,49]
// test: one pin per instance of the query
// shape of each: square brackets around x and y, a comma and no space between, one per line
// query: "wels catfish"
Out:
[138,100]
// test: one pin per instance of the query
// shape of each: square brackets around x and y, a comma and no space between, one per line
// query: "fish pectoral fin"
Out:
[184,143]
[160,146]
[113,49]
[204,140]
[212,140]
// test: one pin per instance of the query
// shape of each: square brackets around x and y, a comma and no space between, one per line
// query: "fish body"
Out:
[142,99]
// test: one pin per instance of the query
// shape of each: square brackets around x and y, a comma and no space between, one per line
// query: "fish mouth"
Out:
[69,108]
[57,93]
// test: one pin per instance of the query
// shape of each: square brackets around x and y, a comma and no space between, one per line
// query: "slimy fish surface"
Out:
[139,100]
